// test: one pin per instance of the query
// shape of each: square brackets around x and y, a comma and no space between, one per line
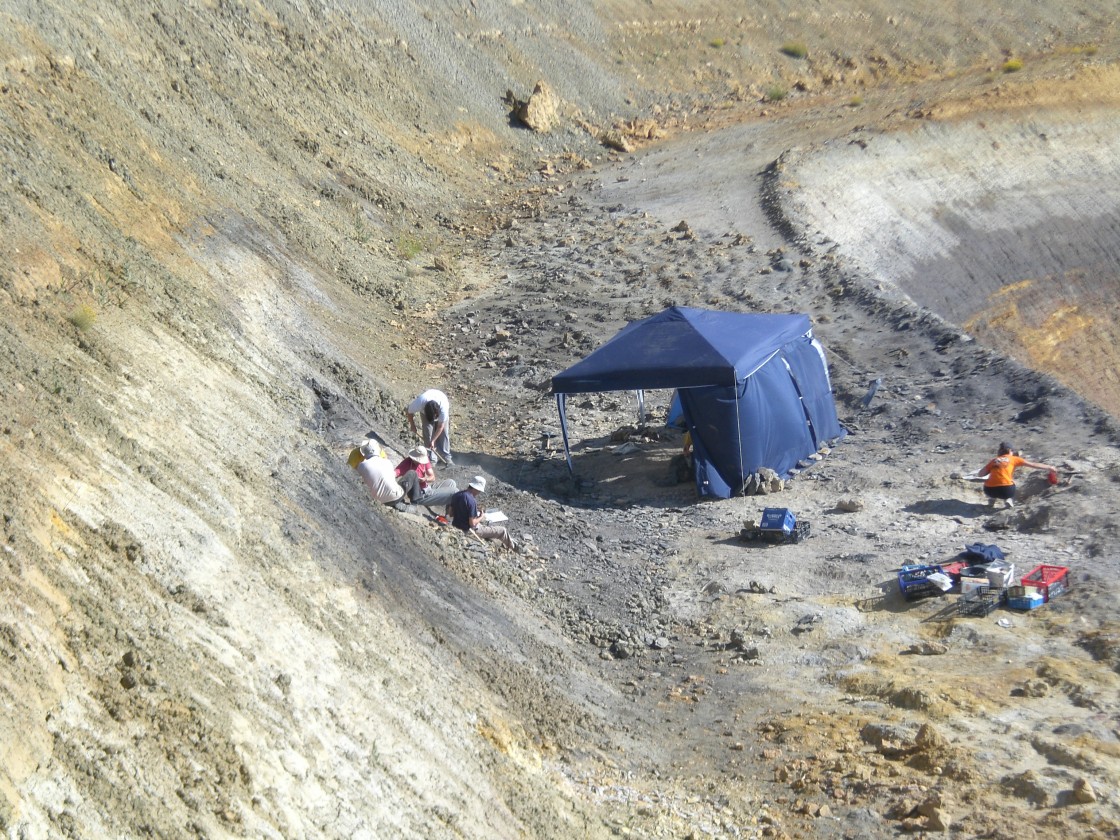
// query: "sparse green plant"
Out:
[98,287]
[362,233]
[83,317]
[124,279]
[775,93]
[855,101]
[716,42]
[795,49]
[1012,65]
[409,245]
[68,281]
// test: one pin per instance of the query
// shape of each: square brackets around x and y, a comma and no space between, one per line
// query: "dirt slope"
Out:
[240,235]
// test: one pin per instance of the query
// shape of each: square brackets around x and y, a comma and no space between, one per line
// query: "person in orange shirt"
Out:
[1000,483]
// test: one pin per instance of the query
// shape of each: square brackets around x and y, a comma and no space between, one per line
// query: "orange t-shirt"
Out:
[1001,470]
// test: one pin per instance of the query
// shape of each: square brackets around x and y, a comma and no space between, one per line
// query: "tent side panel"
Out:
[764,420]
[776,431]
[811,376]
[710,483]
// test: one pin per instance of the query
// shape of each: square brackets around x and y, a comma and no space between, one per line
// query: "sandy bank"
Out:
[1005,225]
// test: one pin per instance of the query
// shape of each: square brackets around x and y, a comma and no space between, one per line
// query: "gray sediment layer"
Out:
[1006,226]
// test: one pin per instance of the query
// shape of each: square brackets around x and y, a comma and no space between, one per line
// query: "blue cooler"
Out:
[776,520]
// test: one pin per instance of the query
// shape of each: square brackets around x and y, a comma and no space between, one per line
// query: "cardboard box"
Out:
[778,519]
[972,584]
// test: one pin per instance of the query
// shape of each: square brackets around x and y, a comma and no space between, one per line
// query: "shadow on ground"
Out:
[947,507]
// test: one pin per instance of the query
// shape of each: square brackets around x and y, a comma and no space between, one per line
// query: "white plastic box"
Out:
[1000,575]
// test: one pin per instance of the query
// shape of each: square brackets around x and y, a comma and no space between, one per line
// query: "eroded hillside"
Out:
[237,236]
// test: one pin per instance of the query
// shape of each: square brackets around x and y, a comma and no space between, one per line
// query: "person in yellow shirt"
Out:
[1000,483]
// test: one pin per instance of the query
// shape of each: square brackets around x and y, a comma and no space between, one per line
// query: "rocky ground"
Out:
[239,237]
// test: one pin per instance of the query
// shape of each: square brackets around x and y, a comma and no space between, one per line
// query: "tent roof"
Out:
[682,348]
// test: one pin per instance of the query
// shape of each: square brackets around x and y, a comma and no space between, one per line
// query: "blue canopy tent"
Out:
[754,389]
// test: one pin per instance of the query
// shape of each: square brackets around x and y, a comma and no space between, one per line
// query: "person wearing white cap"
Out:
[367,448]
[377,472]
[467,517]
[435,411]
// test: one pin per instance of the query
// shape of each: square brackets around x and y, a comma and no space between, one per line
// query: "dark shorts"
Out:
[1005,492]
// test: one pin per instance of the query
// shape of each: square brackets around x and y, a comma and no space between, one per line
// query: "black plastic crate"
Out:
[980,602]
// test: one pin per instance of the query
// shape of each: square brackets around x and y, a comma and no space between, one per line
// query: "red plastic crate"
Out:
[1051,581]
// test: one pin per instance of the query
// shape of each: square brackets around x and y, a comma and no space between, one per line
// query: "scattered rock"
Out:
[623,434]
[1034,688]
[929,738]
[614,139]
[890,740]
[807,623]
[621,649]
[1029,785]
[759,588]
[912,698]
[937,818]
[928,649]
[539,111]
[762,483]
[1083,792]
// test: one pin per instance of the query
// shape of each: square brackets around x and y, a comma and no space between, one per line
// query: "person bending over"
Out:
[1000,483]
[435,415]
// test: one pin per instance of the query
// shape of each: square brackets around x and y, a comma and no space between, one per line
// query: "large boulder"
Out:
[539,111]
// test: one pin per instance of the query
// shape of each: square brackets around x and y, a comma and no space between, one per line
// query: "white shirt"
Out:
[378,475]
[417,405]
